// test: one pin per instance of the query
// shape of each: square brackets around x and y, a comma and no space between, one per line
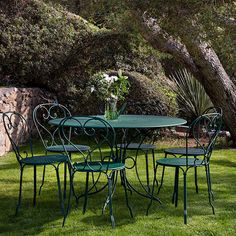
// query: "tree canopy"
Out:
[198,34]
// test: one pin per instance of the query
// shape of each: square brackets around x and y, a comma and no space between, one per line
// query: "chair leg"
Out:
[42,183]
[59,192]
[65,175]
[153,162]
[35,185]
[69,199]
[110,201]
[209,175]
[152,192]
[185,198]
[147,171]
[176,187]
[86,193]
[209,189]
[20,191]
[113,177]
[76,197]
[128,187]
[93,179]
[162,177]
[123,176]
[92,175]
[195,176]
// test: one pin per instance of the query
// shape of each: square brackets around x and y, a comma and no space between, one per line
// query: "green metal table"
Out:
[132,122]
[145,124]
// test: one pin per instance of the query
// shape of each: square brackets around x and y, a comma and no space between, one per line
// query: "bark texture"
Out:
[203,62]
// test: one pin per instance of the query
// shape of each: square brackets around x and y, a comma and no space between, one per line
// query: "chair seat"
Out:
[136,146]
[98,166]
[69,148]
[44,160]
[180,161]
[182,151]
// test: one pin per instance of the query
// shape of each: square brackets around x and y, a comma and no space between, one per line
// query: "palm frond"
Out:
[191,96]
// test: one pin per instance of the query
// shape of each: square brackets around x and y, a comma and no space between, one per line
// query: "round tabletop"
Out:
[129,121]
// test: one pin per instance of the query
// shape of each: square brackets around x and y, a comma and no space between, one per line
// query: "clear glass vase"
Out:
[111,112]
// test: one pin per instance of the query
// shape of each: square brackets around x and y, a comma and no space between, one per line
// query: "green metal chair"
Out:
[204,130]
[48,134]
[193,151]
[101,157]
[18,130]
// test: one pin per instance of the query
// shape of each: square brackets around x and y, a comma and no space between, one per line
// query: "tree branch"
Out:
[201,59]
[160,39]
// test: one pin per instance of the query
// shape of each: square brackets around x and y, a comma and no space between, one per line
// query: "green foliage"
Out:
[213,21]
[220,24]
[110,87]
[191,96]
[42,44]
[36,42]
[171,99]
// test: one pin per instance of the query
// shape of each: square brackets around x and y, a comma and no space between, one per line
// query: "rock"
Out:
[22,100]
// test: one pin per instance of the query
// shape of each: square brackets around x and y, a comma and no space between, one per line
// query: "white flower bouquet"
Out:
[110,88]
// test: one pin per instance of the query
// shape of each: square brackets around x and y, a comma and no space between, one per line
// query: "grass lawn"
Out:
[165,219]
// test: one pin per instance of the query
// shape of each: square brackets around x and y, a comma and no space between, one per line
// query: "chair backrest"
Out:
[213,110]
[99,135]
[18,132]
[42,114]
[204,130]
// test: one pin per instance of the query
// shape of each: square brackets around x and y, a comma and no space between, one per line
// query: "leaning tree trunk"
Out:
[203,62]
[216,82]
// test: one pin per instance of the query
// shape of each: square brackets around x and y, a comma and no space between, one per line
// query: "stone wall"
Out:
[22,100]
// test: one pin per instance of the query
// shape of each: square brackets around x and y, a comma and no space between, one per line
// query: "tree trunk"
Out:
[202,61]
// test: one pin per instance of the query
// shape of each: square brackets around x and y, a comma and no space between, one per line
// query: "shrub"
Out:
[191,96]
[35,42]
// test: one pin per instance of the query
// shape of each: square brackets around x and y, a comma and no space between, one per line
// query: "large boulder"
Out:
[23,101]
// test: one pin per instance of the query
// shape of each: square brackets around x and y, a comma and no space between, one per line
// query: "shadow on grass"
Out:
[9,166]
[101,220]
[30,220]
[46,216]
[224,162]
